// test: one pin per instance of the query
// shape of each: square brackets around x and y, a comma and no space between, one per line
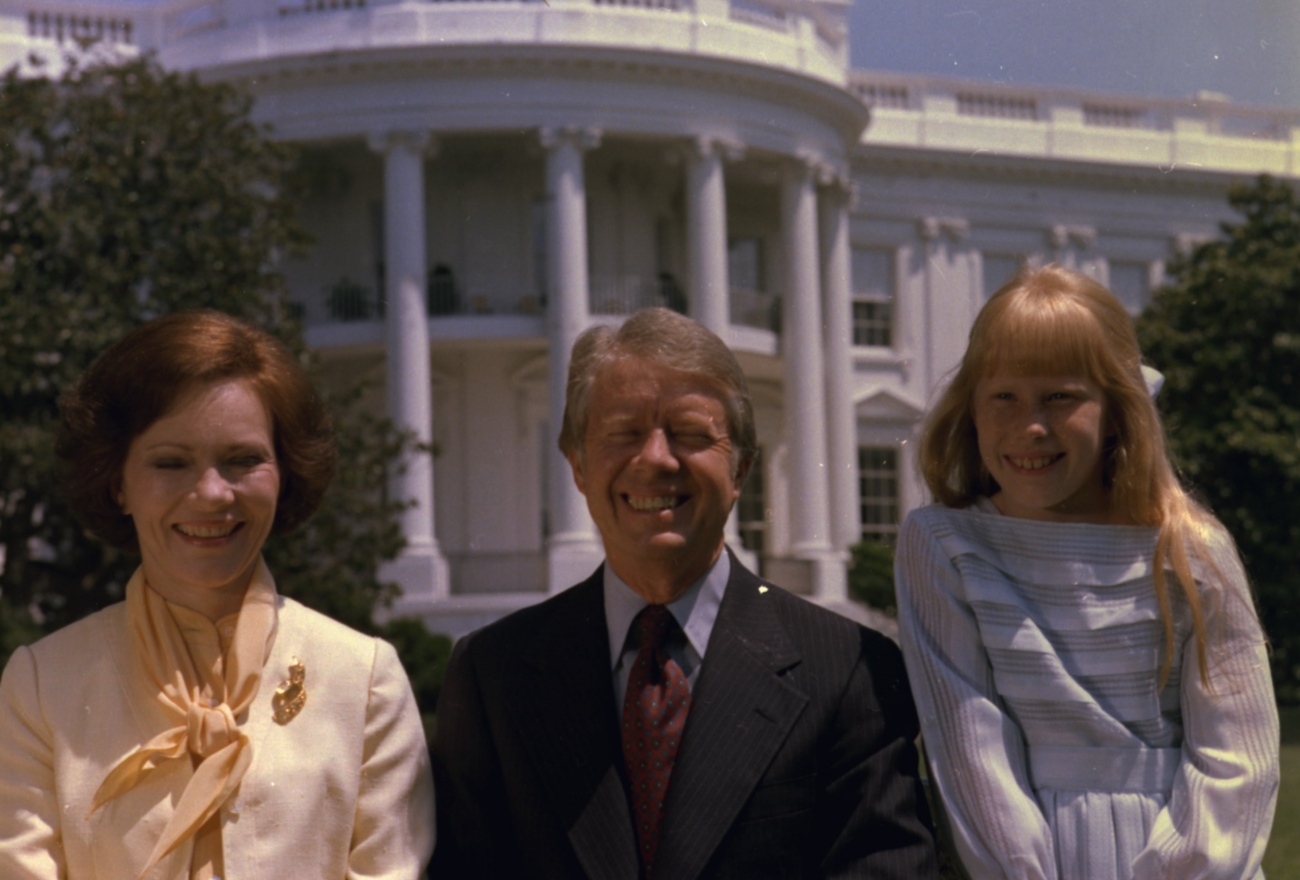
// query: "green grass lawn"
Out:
[1282,860]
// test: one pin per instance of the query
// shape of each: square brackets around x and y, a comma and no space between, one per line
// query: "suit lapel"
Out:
[742,710]
[566,715]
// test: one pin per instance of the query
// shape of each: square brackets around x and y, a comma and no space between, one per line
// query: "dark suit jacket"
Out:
[797,760]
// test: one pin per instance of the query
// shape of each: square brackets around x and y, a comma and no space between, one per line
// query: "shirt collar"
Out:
[695,610]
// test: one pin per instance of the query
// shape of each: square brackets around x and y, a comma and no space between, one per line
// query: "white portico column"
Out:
[574,550]
[421,569]
[837,336]
[707,284]
[805,389]
[706,234]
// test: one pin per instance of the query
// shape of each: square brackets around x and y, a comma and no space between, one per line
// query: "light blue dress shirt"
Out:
[695,611]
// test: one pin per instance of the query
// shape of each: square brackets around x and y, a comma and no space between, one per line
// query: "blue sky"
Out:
[1247,49]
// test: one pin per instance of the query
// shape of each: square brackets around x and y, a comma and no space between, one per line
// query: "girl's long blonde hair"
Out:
[1053,322]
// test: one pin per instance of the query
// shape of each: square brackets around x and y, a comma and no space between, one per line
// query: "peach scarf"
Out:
[204,729]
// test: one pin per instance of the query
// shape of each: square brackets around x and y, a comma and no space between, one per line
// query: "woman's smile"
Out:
[202,484]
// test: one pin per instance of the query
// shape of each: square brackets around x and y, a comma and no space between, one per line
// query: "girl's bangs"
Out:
[1040,337]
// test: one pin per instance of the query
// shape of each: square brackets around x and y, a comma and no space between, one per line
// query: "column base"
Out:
[425,580]
[571,560]
[830,575]
[819,574]
[460,615]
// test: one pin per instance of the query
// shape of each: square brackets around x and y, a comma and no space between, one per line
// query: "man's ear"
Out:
[742,473]
[579,478]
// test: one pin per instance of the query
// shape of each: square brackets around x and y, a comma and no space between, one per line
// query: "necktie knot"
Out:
[652,626]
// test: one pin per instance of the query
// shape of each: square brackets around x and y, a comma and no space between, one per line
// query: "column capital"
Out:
[417,141]
[824,171]
[952,228]
[1079,236]
[842,186]
[704,145]
[583,137]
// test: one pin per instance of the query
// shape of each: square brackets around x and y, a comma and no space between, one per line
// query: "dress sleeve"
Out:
[30,840]
[393,835]
[976,751]
[1220,811]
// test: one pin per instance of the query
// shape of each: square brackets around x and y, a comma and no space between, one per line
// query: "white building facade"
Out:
[491,178]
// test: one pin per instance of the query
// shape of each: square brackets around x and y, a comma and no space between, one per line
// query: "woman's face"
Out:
[201,484]
[1042,438]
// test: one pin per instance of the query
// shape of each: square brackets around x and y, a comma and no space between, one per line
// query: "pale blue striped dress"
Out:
[1034,650]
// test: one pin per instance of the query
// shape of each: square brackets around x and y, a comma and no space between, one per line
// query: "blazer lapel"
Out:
[742,710]
[565,700]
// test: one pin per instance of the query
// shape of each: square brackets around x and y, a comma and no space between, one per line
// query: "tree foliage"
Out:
[127,192]
[1226,334]
[871,575]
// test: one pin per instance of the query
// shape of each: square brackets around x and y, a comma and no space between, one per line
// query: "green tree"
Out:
[871,575]
[127,192]
[1226,334]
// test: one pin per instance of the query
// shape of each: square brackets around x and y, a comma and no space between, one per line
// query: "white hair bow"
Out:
[1154,379]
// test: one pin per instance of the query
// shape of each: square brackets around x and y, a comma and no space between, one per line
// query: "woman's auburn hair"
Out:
[1053,321]
[139,379]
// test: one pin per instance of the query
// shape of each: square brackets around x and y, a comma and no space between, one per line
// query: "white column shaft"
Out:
[421,570]
[801,350]
[706,239]
[837,333]
[573,546]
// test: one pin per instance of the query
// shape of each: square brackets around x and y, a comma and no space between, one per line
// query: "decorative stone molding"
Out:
[580,136]
[1079,236]
[730,149]
[422,142]
[951,228]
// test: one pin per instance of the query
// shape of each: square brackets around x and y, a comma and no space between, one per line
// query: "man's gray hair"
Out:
[670,340]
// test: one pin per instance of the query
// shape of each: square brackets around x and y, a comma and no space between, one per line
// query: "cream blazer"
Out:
[340,792]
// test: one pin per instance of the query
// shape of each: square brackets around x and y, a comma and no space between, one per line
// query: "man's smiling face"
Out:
[657,470]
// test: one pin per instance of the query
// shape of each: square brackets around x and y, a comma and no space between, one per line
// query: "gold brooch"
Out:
[291,695]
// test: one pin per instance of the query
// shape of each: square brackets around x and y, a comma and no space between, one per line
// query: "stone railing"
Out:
[67,27]
[809,35]
[625,294]
[1207,131]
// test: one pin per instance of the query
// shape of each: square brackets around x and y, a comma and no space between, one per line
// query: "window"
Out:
[751,512]
[873,296]
[998,270]
[1130,283]
[745,264]
[878,492]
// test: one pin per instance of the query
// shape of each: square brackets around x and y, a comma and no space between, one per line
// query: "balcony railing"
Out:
[347,300]
[1206,132]
[625,294]
[68,28]
[755,308]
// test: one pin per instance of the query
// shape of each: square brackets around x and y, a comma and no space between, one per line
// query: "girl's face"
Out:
[1042,438]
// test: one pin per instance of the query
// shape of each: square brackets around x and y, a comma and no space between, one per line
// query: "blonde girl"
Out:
[1091,675]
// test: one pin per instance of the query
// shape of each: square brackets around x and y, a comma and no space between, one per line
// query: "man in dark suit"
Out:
[674,716]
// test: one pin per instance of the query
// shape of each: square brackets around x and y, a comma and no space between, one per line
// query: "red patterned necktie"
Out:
[654,713]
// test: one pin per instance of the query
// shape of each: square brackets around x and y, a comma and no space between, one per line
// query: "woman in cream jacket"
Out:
[206,727]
